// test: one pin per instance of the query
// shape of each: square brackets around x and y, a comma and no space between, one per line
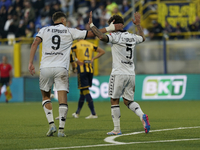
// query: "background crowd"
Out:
[23,18]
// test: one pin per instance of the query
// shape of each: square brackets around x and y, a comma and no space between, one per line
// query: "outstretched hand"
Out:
[137,19]
[90,18]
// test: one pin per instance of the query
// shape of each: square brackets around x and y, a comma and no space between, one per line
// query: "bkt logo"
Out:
[164,87]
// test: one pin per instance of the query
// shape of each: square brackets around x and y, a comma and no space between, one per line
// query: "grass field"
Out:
[24,126]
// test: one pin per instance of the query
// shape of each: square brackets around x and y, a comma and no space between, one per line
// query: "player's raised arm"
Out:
[98,32]
[111,27]
[137,23]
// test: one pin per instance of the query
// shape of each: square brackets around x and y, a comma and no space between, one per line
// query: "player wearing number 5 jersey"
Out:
[84,52]
[122,78]
[56,46]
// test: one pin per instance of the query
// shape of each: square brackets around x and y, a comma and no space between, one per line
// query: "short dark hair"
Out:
[117,18]
[58,15]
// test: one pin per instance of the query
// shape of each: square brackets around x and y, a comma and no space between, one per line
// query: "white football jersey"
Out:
[123,44]
[56,44]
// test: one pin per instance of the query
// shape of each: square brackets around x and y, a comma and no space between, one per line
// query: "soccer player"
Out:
[122,78]
[83,56]
[56,46]
[5,77]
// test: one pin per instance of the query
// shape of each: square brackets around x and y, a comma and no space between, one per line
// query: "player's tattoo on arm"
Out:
[141,33]
[99,34]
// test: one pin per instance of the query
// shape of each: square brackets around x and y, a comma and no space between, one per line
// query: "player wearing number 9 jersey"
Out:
[122,78]
[56,46]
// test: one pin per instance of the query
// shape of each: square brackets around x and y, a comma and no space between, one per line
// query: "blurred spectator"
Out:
[103,24]
[80,23]
[85,20]
[157,28]
[125,6]
[110,6]
[95,12]
[14,25]
[46,11]
[21,29]
[3,18]
[28,33]
[18,11]
[18,3]
[67,6]
[38,5]
[45,21]
[29,13]
[69,24]
[56,8]
[195,26]
[116,12]
[179,30]
[37,29]
[11,10]
[5,3]
[8,23]
[31,27]
[167,30]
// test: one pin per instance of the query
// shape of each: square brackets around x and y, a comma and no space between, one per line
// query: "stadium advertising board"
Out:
[148,87]
[164,87]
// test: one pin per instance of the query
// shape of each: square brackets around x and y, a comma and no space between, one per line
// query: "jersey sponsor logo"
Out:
[127,62]
[164,87]
[54,53]
[128,39]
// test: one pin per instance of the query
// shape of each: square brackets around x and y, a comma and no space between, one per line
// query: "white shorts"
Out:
[57,76]
[122,85]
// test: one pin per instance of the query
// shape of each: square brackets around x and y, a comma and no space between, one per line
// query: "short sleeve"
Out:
[71,57]
[74,47]
[95,47]
[139,39]
[111,38]
[78,34]
[40,33]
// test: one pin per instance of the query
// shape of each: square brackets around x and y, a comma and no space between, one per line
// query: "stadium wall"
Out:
[148,88]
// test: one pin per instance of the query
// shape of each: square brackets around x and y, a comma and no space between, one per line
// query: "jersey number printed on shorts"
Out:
[56,41]
[129,49]
[86,53]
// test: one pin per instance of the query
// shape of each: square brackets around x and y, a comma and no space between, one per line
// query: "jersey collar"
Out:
[122,31]
[55,24]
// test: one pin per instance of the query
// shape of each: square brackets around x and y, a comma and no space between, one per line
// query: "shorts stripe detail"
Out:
[111,87]
[87,67]
[81,68]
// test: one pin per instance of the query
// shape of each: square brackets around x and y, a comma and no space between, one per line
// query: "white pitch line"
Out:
[110,139]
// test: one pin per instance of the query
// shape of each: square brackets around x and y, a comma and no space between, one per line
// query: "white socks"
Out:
[49,113]
[63,108]
[115,112]
[135,107]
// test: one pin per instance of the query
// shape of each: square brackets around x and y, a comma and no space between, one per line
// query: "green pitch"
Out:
[24,126]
